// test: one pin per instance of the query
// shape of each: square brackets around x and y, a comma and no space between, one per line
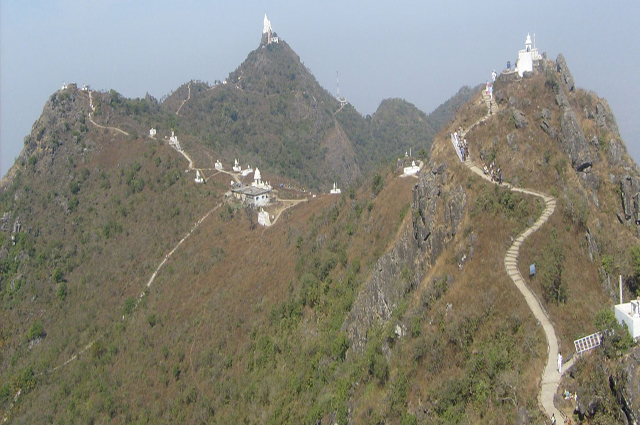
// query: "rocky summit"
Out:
[257,251]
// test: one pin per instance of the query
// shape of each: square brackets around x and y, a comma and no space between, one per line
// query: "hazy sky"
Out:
[422,51]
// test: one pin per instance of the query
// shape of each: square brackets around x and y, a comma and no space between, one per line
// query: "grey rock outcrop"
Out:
[616,152]
[626,385]
[519,118]
[428,194]
[384,290]
[605,119]
[549,129]
[566,79]
[437,212]
[630,189]
[573,142]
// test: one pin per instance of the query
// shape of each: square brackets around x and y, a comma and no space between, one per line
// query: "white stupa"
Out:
[218,165]
[335,190]
[257,181]
[236,166]
[199,178]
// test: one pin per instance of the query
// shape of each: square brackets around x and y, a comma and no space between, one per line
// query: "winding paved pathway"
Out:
[551,376]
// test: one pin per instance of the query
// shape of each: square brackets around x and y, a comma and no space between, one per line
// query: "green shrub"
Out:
[129,306]
[378,184]
[36,331]
[61,292]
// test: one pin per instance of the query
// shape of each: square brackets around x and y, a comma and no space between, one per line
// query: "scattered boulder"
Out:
[513,102]
[547,128]
[519,118]
[566,79]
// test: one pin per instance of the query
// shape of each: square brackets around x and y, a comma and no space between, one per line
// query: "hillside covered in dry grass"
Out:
[388,303]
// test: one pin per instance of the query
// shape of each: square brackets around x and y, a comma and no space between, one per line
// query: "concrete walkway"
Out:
[551,376]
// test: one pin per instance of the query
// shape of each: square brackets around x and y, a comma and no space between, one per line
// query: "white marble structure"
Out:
[246,171]
[218,165]
[152,132]
[629,313]
[413,169]
[257,181]
[236,166]
[173,141]
[335,190]
[263,218]
[527,57]
[199,178]
[269,31]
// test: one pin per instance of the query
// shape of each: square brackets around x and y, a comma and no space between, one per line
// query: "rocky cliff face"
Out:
[437,211]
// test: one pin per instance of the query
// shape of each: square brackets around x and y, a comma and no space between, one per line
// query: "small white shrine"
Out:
[413,169]
[263,218]
[64,86]
[335,190]
[85,88]
[152,132]
[218,165]
[236,166]
[527,57]
[199,178]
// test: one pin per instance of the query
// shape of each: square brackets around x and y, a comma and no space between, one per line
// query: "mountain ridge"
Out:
[388,302]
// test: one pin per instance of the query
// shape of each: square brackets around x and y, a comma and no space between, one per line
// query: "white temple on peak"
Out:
[335,190]
[269,31]
[527,57]
[236,166]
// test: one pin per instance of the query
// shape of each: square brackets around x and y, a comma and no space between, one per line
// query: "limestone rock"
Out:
[605,119]
[384,290]
[627,384]
[630,188]
[616,152]
[573,142]
[561,99]
[566,79]
[550,130]
[519,118]
[513,102]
